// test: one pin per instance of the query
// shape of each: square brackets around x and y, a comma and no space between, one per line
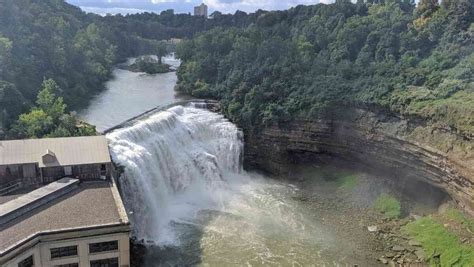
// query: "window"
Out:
[28,262]
[68,265]
[103,246]
[63,252]
[103,169]
[105,263]
[68,170]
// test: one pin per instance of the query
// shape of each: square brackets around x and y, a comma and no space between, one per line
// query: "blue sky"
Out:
[184,6]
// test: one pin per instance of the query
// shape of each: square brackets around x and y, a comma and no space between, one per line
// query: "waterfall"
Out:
[176,163]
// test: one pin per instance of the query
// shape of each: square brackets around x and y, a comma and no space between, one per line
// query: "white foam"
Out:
[175,163]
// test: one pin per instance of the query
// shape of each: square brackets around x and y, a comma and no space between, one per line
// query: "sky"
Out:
[103,7]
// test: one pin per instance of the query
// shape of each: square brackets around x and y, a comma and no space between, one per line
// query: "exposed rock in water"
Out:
[372,228]
[408,151]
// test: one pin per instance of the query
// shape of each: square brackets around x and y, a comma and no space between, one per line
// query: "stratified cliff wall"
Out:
[404,149]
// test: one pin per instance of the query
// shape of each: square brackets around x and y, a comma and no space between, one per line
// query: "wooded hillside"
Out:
[416,61]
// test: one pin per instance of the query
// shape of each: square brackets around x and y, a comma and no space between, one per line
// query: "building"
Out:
[35,162]
[200,10]
[68,222]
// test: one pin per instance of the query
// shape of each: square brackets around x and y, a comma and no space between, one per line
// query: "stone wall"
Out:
[403,149]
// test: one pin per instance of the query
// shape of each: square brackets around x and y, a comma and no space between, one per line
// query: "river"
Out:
[191,202]
[128,94]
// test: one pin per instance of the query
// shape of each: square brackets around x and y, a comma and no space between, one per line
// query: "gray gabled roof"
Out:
[67,151]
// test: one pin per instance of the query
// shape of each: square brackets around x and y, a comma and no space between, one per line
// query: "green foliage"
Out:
[49,118]
[442,247]
[34,124]
[298,62]
[349,182]
[48,102]
[53,39]
[149,65]
[388,206]
[161,51]
[461,218]
[5,52]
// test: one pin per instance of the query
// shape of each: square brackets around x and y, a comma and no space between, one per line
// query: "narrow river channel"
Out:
[191,202]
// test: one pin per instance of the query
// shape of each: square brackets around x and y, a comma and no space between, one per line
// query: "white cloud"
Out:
[112,10]
[230,6]
[185,6]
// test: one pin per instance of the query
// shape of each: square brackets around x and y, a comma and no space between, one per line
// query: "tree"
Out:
[49,118]
[48,102]
[161,51]
[5,53]
[427,7]
[34,124]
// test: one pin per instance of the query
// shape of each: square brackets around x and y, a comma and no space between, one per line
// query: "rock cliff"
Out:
[403,148]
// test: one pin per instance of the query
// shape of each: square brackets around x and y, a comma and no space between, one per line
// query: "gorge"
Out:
[192,202]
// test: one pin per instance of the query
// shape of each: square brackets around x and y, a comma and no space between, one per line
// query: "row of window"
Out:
[112,262]
[72,251]
[28,262]
[68,265]
[63,252]
[93,248]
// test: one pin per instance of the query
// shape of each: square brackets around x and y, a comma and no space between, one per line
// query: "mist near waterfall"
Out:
[175,164]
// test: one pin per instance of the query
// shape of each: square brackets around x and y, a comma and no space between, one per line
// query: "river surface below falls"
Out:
[191,202]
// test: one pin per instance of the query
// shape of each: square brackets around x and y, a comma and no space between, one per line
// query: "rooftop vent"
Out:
[49,157]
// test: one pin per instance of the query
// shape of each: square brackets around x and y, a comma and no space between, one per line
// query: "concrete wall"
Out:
[81,172]
[42,255]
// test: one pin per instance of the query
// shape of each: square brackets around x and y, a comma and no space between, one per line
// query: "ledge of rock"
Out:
[403,149]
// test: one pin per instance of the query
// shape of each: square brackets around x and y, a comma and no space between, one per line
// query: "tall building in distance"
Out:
[200,10]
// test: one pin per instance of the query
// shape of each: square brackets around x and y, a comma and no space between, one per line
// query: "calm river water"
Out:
[129,94]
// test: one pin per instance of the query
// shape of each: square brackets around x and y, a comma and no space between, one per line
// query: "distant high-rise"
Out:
[200,10]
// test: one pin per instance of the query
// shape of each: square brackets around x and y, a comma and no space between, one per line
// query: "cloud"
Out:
[133,6]
[230,6]
[185,6]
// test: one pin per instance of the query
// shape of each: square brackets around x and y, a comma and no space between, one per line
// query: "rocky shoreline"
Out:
[348,211]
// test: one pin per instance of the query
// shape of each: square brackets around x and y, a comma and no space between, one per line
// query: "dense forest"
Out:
[265,67]
[50,39]
[414,60]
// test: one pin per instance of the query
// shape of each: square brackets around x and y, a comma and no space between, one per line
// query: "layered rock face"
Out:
[403,149]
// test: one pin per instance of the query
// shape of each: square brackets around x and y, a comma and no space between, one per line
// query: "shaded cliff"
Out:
[406,150]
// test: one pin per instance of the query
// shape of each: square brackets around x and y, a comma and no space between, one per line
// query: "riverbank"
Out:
[347,200]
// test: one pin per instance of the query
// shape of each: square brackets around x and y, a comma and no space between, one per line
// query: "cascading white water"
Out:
[176,163]
[185,191]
